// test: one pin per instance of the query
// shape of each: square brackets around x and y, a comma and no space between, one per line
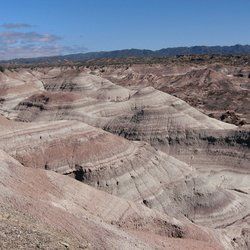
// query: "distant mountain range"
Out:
[195,50]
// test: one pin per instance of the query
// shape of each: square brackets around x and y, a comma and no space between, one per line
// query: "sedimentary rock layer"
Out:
[131,170]
[65,213]
[177,161]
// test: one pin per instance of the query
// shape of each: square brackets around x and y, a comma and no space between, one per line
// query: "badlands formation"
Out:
[218,87]
[111,158]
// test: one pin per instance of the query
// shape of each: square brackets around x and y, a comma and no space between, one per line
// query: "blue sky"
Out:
[47,27]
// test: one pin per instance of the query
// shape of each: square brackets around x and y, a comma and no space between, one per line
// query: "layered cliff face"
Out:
[152,150]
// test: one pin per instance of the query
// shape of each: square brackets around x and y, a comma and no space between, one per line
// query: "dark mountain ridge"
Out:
[166,52]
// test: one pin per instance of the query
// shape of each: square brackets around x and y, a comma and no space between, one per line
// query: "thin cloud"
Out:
[16,25]
[28,51]
[9,38]
[15,44]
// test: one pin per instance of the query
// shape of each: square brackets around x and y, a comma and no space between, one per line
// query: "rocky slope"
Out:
[131,170]
[177,164]
[63,214]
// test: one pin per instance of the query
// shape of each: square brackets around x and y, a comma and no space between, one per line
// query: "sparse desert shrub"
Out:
[1,68]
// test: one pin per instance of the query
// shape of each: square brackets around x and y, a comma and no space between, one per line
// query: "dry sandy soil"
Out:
[113,158]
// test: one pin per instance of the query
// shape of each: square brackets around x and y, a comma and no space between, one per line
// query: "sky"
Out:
[32,28]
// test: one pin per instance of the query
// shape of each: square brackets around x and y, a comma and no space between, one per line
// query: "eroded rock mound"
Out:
[212,87]
[166,160]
